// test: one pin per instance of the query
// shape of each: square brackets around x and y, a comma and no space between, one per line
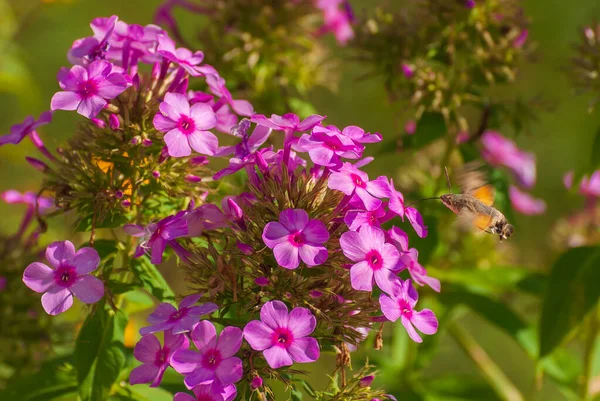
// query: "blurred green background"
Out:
[34,38]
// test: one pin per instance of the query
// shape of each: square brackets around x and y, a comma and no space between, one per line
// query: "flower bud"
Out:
[245,248]
[146,142]
[407,70]
[192,178]
[410,127]
[164,154]
[199,160]
[113,122]
[126,203]
[257,382]
[156,174]
[37,164]
[236,210]
[135,140]
[366,381]
[315,293]
[261,281]
[98,122]
[118,194]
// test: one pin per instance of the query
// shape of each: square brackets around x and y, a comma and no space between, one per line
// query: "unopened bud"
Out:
[164,154]
[135,140]
[126,203]
[199,160]
[315,294]
[245,248]
[156,174]
[98,122]
[113,122]
[261,281]
[118,194]
[146,142]
[37,164]
[236,210]
[257,382]
[192,178]
[407,70]
[366,381]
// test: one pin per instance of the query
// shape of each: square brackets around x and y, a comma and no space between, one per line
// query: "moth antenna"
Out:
[424,199]
[448,179]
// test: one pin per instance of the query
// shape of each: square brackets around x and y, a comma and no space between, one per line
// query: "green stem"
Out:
[590,345]
[505,389]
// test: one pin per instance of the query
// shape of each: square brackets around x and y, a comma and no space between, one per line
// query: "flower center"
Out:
[374,260]
[186,125]
[87,89]
[405,308]
[65,276]
[179,314]
[162,356]
[297,239]
[357,181]
[205,397]
[282,337]
[211,359]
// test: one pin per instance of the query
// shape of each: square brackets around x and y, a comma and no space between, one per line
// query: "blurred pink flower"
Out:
[590,186]
[524,203]
[500,151]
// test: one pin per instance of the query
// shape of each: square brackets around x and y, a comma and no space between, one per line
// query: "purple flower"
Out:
[186,127]
[209,392]
[28,198]
[524,203]
[155,358]
[156,236]
[520,40]
[282,336]
[288,122]
[94,47]
[400,305]
[185,58]
[351,180]
[338,21]
[373,256]
[20,131]
[215,360]
[296,237]
[86,89]
[326,147]
[68,276]
[590,186]
[355,219]
[408,71]
[410,261]
[416,220]
[410,127]
[167,318]
[498,150]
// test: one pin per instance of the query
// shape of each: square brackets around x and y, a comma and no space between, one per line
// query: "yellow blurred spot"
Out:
[130,334]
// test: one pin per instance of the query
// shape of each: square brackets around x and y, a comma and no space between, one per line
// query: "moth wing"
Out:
[471,177]
[469,221]
[485,194]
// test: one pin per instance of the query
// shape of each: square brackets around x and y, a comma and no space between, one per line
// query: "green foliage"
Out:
[100,353]
[142,393]
[572,292]
[104,247]
[152,280]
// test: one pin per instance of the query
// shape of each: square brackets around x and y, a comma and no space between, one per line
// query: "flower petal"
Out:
[204,309]
[112,86]
[91,106]
[163,124]
[304,350]
[286,255]
[361,277]
[57,300]
[185,361]
[390,255]
[88,289]
[145,373]
[156,328]
[411,330]
[301,322]
[178,102]
[277,357]
[157,246]
[274,314]
[146,349]
[177,144]
[190,300]
[379,187]
[416,220]
[204,142]
[315,232]
[86,260]
[373,238]
[274,233]
[183,397]
[38,277]
[162,313]
[203,115]
[294,219]
[199,376]
[425,321]
[230,341]
[230,370]
[258,335]
[60,252]
[370,202]
[65,101]
[389,307]
[204,335]
[352,246]
[313,255]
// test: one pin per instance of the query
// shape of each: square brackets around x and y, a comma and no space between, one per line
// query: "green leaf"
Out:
[572,292]
[296,394]
[457,387]
[137,301]
[143,393]
[55,379]
[152,280]
[104,247]
[111,221]
[100,353]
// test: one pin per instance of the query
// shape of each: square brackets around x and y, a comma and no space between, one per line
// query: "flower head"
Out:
[183,57]
[186,127]
[375,259]
[288,122]
[524,203]
[296,237]
[282,336]
[209,392]
[94,47]
[325,147]
[351,180]
[400,305]
[156,236]
[20,131]
[167,318]
[498,150]
[67,276]
[155,358]
[86,89]
[215,360]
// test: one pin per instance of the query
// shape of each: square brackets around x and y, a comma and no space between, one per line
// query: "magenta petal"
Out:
[163,124]
[352,246]
[372,237]
[294,219]
[316,232]
[389,307]
[199,376]
[91,106]
[310,122]
[242,107]
[304,350]
[416,220]
[425,321]
[204,309]
[177,144]
[301,322]
[112,86]
[371,203]
[322,156]
[146,349]
[341,182]
[183,397]
[158,246]
[60,252]
[65,101]
[185,361]
[230,370]
[277,357]
[258,335]
[203,142]
[390,256]
[287,255]
[385,280]
[178,102]
[379,187]
[274,233]
[162,313]
[184,324]
[230,341]
[86,260]
[145,373]
[313,255]
[189,300]
[412,333]
[274,314]
[57,300]
[361,277]
[204,335]
[38,277]
[156,328]
[88,289]
[203,115]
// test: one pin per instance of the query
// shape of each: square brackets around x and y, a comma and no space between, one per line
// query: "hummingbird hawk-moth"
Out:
[475,203]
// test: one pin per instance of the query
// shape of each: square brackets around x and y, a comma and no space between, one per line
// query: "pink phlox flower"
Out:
[134,42]
[215,360]
[209,392]
[524,203]
[590,186]
[186,127]
[410,261]
[296,237]
[416,221]
[12,196]
[67,276]
[183,57]
[364,333]
[168,318]
[156,236]
[226,119]
[396,203]
[357,134]
[351,180]
[92,48]
[87,88]
[520,40]
[288,122]
[155,358]
[399,239]
[339,21]
[373,257]
[327,147]
[498,150]
[400,304]
[355,219]
[217,87]
[205,217]
[283,337]
[20,131]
